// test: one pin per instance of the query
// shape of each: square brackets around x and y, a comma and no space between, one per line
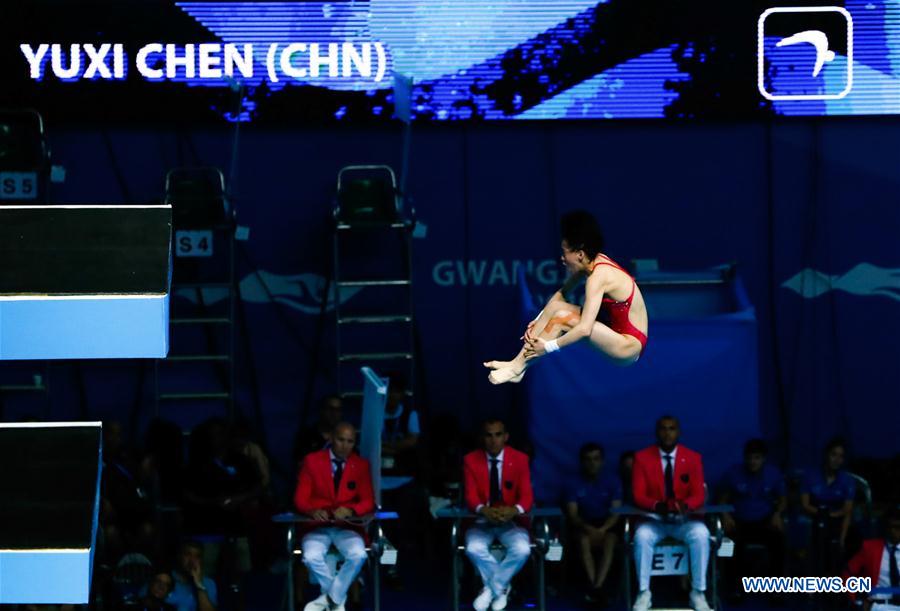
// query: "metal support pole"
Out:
[290,567]
[543,545]
[627,560]
[714,560]
[378,549]
[376,585]
[542,590]
[454,565]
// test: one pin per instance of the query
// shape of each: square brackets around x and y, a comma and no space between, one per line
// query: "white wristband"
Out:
[551,345]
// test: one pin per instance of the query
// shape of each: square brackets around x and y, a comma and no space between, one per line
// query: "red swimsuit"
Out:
[614,314]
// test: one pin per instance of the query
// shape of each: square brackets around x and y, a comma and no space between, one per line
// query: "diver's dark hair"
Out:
[581,231]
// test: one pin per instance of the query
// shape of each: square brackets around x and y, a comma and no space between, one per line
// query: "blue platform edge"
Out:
[45,576]
[52,576]
[84,327]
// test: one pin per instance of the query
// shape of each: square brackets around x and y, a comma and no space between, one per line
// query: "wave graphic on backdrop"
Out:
[301,292]
[864,280]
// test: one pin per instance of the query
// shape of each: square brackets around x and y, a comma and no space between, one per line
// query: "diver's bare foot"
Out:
[506,374]
[498,364]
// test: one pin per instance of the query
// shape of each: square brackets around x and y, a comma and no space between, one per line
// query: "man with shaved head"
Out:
[334,486]
[667,479]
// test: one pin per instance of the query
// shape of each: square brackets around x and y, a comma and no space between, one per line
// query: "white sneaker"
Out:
[698,601]
[319,604]
[330,605]
[500,602]
[483,600]
[642,603]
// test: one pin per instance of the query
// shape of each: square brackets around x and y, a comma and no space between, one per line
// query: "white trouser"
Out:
[349,545]
[693,533]
[497,575]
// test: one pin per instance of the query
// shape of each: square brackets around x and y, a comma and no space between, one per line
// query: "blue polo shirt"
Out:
[182,596]
[833,495]
[594,498]
[754,495]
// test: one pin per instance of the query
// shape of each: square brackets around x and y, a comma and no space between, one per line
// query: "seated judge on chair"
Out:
[827,496]
[334,484]
[879,559]
[757,490]
[668,480]
[589,498]
[497,483]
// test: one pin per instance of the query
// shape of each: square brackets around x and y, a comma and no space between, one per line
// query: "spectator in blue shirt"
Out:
[589,497]
[829,492]
[154,595]
[191,590]
[401,432]
[827,497]
[402,455]
[756,489]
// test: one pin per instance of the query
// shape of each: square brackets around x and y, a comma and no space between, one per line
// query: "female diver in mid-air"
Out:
[614,316]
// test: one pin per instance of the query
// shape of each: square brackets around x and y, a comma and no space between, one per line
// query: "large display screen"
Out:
[451,60]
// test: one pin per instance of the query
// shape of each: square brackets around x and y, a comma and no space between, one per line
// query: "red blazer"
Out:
[649,484]
[315,486]
[866,562]
[515,485]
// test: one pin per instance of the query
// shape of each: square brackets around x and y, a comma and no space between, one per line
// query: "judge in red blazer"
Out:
[667,479]
[334,484]
[879,559]
[497,483]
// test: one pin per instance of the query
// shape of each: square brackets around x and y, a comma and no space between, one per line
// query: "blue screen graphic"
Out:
[550,59]
[461,54]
